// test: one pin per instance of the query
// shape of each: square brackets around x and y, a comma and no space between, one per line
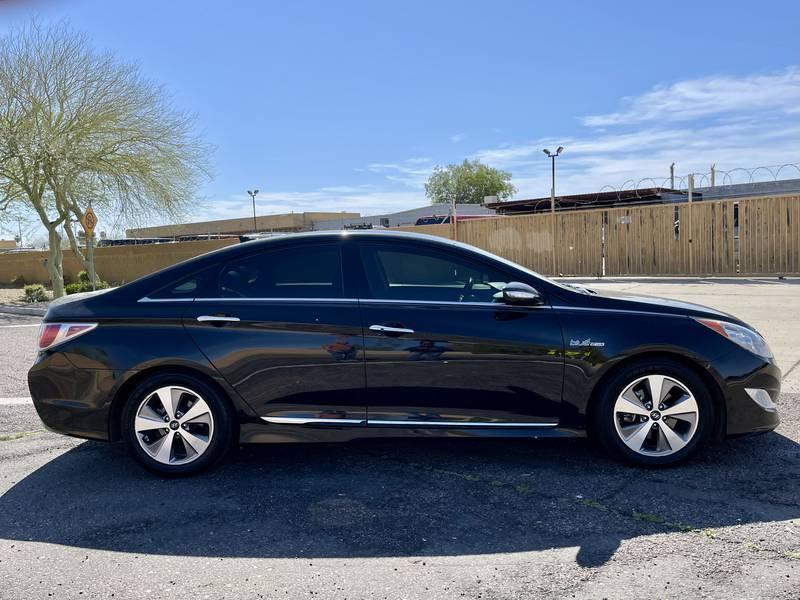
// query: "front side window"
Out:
[429,275]
[296,272]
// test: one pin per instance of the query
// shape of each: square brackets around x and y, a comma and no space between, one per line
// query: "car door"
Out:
[283,332]
[442,349]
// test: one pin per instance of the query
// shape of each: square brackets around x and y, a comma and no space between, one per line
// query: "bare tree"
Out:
[78,127]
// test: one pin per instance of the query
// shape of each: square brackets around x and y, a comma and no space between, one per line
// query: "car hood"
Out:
[653,304]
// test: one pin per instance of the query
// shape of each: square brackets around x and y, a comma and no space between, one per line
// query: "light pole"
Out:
[253,195]
[552,156]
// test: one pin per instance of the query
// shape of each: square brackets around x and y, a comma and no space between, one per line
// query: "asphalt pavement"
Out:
[409,518]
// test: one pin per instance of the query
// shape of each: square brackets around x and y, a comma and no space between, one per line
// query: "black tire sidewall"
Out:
[603,415]
[223,414]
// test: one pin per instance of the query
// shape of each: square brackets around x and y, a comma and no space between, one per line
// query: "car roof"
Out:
[345,233]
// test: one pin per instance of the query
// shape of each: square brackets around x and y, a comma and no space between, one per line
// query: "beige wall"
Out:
[290,222]
[638,241]
[115,264]
[7,244]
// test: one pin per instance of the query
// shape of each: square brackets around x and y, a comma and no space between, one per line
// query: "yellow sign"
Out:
[89,221]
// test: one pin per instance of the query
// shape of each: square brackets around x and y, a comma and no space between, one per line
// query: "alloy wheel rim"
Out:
[174,425]
[656,415]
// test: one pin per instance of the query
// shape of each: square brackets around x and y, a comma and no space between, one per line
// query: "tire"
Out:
[631,427]
[194,434]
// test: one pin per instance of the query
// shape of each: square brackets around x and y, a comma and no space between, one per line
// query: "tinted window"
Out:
[297,272]
[422,274]
[186,288]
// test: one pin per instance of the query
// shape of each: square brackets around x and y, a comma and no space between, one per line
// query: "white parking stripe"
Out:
[12,326]
[13,401]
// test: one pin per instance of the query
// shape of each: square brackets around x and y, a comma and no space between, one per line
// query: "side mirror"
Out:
[521,294]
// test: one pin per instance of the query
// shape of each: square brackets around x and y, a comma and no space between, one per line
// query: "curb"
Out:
[20,310]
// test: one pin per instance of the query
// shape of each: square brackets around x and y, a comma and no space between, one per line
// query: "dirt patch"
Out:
[15,296]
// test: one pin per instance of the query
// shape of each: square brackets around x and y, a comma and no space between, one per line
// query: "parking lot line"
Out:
[18,400]
[25,325]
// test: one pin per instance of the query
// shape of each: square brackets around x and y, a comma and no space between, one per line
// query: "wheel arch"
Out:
[718,397]
[122,393]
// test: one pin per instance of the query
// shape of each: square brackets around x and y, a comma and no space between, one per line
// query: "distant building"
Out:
[403,218]
[8,244]
[786,187]
[291,222]
[783,187]
[585,201]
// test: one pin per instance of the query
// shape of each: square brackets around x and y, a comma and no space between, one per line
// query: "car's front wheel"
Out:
[653,413]
[177,424]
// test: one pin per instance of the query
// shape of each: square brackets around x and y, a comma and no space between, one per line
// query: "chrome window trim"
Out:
[146,299]
[457,424]
[311,420]
[361,300]
[276,300]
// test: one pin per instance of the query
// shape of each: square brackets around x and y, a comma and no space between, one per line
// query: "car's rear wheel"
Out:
[654,413]
[177,424]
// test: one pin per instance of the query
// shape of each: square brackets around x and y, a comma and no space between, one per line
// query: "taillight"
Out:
[52,334]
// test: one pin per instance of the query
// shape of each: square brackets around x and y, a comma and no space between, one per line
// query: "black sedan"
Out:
[335,336]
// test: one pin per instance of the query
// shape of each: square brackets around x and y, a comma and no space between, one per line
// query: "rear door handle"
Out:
[387,329]
[217,319]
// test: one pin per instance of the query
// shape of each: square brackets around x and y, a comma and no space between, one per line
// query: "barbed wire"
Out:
[703,181]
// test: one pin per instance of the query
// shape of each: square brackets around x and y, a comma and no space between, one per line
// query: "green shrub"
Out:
[35,293]
[84,285]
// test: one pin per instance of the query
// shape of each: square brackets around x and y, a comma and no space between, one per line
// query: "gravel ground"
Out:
[408,518]
[11,295]
[15,296]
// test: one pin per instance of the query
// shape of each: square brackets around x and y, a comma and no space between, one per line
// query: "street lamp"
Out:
[552,156]
[253,195]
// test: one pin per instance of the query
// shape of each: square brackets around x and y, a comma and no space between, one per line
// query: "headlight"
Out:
[745,337]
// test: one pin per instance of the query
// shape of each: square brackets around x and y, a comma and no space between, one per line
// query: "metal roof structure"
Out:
[595,200]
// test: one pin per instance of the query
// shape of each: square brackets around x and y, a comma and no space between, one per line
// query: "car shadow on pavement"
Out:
[381,498]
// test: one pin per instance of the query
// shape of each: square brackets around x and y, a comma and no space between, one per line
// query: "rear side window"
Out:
[185,289]
[297,272]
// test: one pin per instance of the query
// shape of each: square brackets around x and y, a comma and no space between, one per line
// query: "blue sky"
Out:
[349,105]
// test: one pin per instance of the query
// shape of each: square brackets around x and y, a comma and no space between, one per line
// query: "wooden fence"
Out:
[754,236]
[769,236]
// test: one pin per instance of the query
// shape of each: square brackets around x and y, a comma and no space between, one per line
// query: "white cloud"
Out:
[706,97]
[411,173]
[733,122]
[459,137]
[642,158]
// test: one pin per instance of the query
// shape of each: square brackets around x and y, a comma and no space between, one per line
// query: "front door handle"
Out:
[217,319]
[387,329]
